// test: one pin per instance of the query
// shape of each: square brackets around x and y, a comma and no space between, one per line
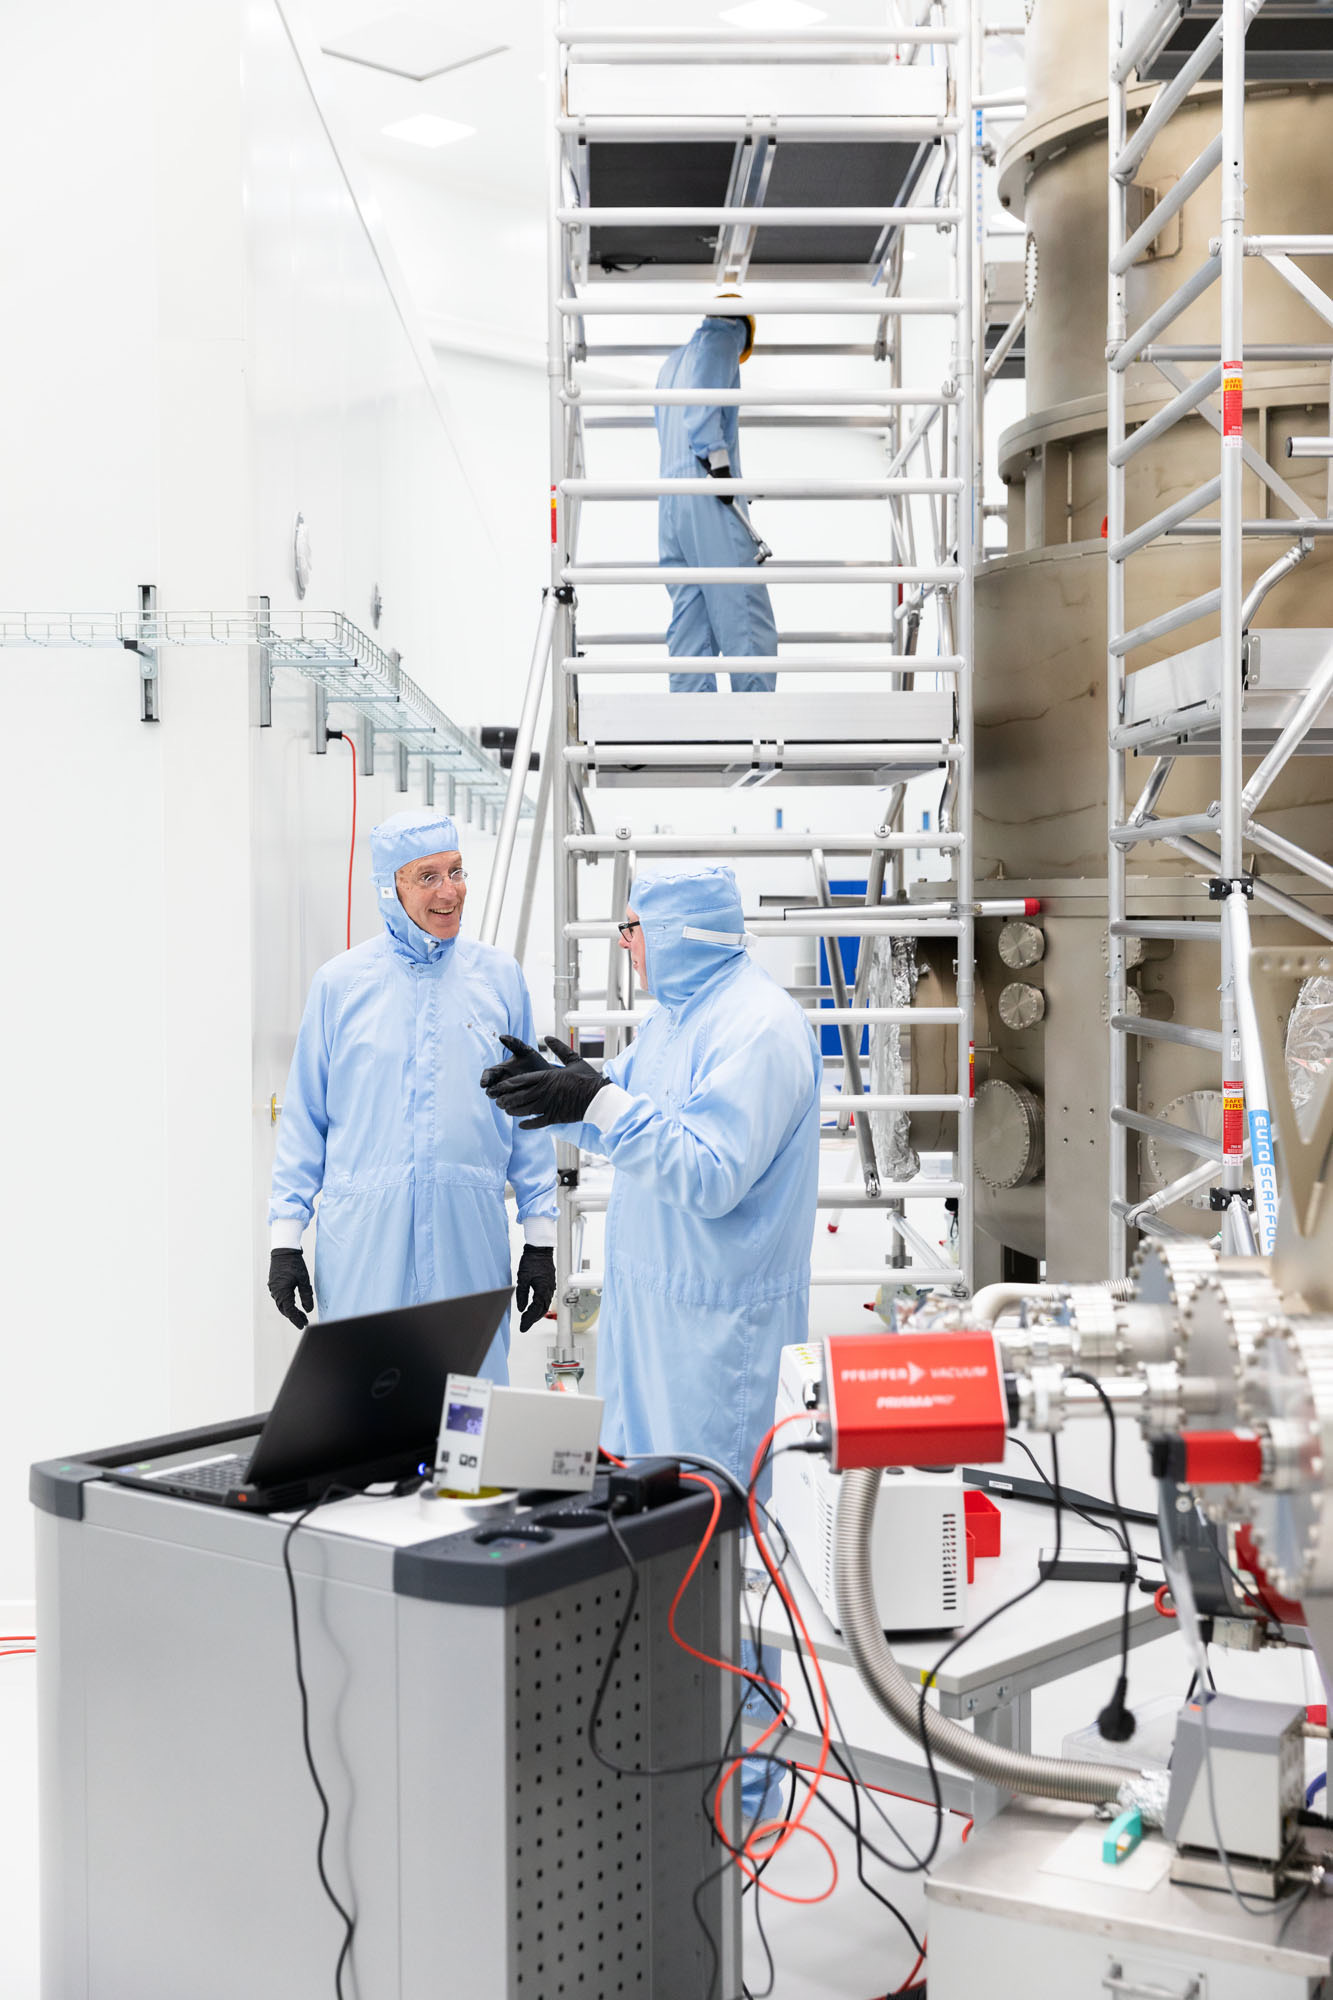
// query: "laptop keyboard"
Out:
[220,1475]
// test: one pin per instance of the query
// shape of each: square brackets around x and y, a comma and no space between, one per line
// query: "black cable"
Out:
[348,1916]
[713,1765]
[928,1679]
[1256,1603]
[853,1778]
[858,1785]
[760,1687]
[846,1762]
[1102,1527]
[854,1827]
[613,1654]
[767,1990]
[1116,1722]
[766,1693]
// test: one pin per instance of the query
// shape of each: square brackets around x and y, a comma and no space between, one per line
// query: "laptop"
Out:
[361,1402]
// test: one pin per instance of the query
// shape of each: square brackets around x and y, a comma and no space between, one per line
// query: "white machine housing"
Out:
[493,1436]
[920,1543]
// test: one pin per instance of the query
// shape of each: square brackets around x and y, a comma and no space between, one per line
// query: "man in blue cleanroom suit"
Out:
[711,1119]
[383,1120]
[700,532]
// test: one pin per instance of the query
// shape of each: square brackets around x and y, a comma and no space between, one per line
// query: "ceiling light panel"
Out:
[425,129]
[415,46]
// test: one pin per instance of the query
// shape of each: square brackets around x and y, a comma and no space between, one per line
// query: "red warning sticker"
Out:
[1233,1119]
[1232,401]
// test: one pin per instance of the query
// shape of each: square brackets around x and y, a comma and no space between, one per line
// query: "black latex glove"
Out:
[287,1275]
[550,1095]
[721,472]
[521,1058]
[534,1287]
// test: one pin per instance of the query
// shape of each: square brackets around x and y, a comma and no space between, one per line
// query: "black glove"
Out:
[287,1275]
[721,471]
[521,1058]
[553,1096]
[534,1288]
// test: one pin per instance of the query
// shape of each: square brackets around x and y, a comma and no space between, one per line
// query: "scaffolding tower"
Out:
[795,209]
[1209,700]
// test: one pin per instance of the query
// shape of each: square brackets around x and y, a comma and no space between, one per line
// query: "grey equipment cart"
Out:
[483,1848]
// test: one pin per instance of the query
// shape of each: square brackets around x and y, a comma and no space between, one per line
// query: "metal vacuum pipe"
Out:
[1011,1770]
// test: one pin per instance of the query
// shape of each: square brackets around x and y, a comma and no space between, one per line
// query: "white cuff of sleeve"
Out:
[286,1235]
[610,1103]
[539,1232]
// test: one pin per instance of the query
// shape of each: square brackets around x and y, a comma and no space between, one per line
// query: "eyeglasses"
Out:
[434,880]
[625,930]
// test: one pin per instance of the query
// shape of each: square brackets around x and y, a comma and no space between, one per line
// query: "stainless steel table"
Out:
[1030,1899]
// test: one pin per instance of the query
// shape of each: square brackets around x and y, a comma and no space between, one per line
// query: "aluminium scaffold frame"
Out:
[930,486]
[1231,822]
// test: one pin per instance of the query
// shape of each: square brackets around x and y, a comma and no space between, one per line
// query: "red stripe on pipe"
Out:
[1223,1458]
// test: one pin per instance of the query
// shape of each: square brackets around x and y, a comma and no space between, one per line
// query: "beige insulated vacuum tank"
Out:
[1042,1124]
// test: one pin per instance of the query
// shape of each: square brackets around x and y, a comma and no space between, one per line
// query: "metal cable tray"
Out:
[324,646]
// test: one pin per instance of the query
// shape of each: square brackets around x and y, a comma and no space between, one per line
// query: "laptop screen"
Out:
[370,1391]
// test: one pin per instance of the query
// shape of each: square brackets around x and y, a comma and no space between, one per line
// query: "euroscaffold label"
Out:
[1265,1178]
[1233,398]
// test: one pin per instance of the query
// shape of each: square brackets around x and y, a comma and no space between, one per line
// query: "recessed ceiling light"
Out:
[776,14]
[428,130]
[414,47]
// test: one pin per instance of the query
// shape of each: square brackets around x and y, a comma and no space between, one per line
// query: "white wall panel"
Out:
[204,341]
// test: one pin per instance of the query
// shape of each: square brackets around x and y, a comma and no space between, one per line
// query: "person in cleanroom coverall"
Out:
[382,1117]
[700,532]
[711,1119]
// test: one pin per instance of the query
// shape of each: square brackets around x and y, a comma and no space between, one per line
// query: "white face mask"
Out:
[735,939]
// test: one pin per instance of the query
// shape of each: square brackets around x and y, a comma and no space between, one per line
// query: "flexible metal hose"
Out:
[1012,1770]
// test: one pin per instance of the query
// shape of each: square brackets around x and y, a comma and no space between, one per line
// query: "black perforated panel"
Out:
[603,1866]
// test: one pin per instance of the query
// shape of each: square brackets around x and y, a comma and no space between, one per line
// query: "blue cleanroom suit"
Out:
[383,1120]
[712,1123]
[695,530]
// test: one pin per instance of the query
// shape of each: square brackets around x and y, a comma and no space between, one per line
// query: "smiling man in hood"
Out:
[382,1118]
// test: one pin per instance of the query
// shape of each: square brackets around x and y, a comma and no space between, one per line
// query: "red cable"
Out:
[1160,1595]
[921,1959]
[841,1778]
[351,858]
[778,1832]
[8,1652]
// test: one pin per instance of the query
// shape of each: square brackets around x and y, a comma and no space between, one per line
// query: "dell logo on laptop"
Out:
[386,1382]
